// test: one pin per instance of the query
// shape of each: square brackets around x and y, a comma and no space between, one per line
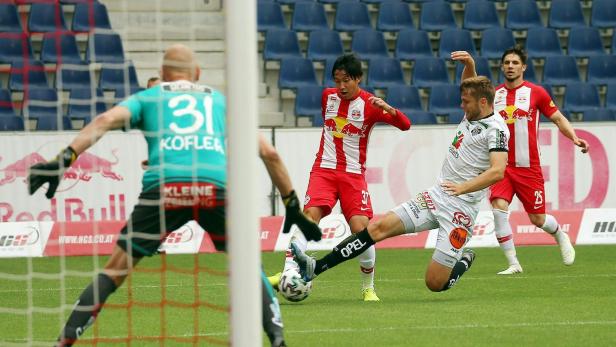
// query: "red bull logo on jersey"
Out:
[341,127]
[511,113]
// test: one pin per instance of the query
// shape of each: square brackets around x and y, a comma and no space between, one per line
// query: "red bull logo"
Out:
[340,127]
[19,168]
[511,113]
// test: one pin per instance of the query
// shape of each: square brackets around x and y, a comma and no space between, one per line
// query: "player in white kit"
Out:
[476,159]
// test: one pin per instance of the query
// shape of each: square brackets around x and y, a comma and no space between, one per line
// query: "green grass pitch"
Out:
[548,305]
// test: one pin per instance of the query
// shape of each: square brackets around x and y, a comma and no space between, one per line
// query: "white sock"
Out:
[504,235]
[302,243]
[550,226]
[366,265]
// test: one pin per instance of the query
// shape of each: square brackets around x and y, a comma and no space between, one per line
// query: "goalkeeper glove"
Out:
[51,172]
[294,215]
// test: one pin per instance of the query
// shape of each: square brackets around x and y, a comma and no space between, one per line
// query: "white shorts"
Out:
[453,217]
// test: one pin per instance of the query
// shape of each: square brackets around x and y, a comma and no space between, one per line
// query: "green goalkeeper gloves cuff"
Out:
[51,172]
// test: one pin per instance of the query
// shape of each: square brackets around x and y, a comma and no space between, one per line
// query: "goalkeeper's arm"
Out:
[280,176]
[115,118]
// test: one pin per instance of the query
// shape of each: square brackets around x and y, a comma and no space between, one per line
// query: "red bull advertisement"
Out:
[512,113]
[341,127]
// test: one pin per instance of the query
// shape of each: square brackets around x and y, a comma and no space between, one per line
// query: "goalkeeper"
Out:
[184,126]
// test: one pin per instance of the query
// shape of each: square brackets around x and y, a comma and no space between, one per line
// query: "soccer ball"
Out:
[293,287]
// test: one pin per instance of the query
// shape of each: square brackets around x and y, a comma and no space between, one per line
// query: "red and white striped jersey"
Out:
[521,108]
[347,125]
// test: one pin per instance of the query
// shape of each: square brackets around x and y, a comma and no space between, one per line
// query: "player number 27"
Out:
[189,108]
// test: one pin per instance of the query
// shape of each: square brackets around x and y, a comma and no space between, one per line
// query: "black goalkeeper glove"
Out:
[294,215]
[51,172]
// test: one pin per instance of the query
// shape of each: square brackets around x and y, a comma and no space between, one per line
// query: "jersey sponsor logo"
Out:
[511,113]
[604,227]
[355,114]
[458,237]
[476,131]
[20,239]
[461,218]
[352,247]
[340,127]
[426,201]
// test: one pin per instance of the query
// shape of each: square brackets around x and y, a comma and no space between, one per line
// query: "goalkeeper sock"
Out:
[86,309]
[349,248]
[272,319]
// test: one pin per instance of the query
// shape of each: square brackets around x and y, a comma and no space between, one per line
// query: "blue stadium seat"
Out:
[119,78]
[296,72]
[429,72]
[394,16]
[324,44]
[599,115]
[105,48]
[123,93]
[11,123]
[74,76]
[580,97]
[15,47]
[405,98]
[328,80]
[384,73]
[436,16]
[46,17]
[6,104]
[455,116]
[565,14]
[308,101]
[369,44]
[602,69]
[584,42]
[610,96]
[50,123]
[560,70]
[480,15]
[351,16]
[41,103]
[412,44]
[542,42]
[9,18]
[269,16]
[482,67]
[89,16]
[495,41]
[317,121]
[529,74]
[35,72]
[281,43]
[421,117]
[83,106]
[444,99]
[603,14]
[455,40]
[66,53]
[522,15]
[308,16]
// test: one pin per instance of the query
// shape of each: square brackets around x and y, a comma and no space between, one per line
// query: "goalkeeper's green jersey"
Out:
[184,127]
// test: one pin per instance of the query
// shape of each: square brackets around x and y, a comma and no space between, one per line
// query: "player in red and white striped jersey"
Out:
[521,103]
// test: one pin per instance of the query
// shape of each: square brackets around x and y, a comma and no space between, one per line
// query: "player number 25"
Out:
[189,109]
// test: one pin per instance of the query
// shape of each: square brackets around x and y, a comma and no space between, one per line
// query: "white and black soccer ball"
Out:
[293,287]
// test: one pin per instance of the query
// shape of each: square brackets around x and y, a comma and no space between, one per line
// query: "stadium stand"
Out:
[566,14]
[6,104]
[296,72]
[74,76]
[369,44]
[280,44]
[584,42]
[105,47]
[352,16]
[522,15]
[482,67]
[444,99]
[11,123]
[90,16]
[603,14]
[542,42]
[384,73]
[9,18]
[429,72]
[599,115]
[65,51]
[581,97]
[602,69]
[406,98]
[610,96]
[27,74]
[560,71]
[308,16]
[269,16]
[436,16]
[412,44]
[46,17]
[394,16]
[324,44]
[480,15]
[118,78]
[455,40]
[15,47]
[308,101]
[495,41]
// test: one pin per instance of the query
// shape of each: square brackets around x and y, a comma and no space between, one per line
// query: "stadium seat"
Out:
[405,98]
[82,106]
[522,15]
[480,15]
[495,41]
[66,53]
[351,16]
[542,42]
[421,117]
[394,16]
[369,44]
[444,99]
[324,44]
[11,123]
[9,19]
[281,43]
[317,120]
[599,115]
[455,40]
[565,14]
[455,116]
[36,77]
[6,104]
[560,70]
[89,16]
[580,97]
[429,72]
[269,16]
[119,78]
[46,17]
[529,73]
[308,16]
[602,69]
[296,72]
[105,48]
[15,47]
[436,16]
[308,101]
[603,14]
[482,67]
[610,96]
[328,80]
[412,44]
[41,102]
[50,123]
[74,76]
[584,42]
[384,73]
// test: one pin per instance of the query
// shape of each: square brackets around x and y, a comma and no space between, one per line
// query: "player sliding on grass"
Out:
[184,126]
[476,159]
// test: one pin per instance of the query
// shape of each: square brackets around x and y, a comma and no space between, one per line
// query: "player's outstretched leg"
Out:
[504,236]
[305,262]
[272,319]
[468,256]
